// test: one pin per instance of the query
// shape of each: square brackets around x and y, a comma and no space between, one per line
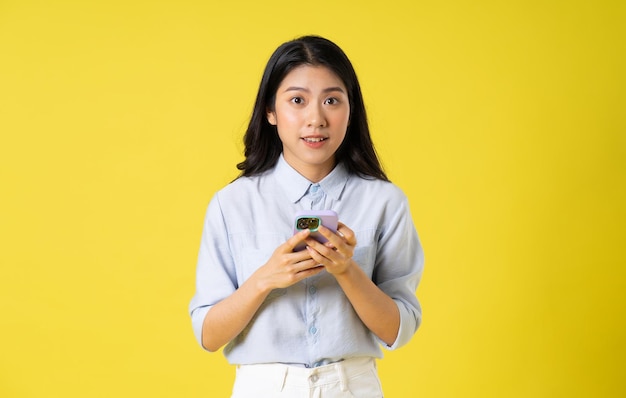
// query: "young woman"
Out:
[309,322]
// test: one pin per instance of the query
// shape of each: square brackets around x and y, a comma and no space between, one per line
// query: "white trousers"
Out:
[356,377]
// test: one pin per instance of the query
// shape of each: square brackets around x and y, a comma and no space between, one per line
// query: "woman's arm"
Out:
[226,319]
[375,308]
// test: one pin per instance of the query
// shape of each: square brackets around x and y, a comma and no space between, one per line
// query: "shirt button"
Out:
[312,289]
[313,330]
[314,378]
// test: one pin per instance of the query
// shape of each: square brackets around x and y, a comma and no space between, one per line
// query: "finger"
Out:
[336,242]
[320,247]
[305,264]
[322,253]
[328,254]
[346,233]
[317,256]
[299,237]
[333,238]
[309,272]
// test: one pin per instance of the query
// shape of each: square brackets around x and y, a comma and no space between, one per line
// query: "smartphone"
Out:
[311,220]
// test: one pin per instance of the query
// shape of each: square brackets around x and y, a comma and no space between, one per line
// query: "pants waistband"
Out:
[294,375]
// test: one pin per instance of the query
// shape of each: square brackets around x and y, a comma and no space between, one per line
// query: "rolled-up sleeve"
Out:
[398,270]
[216,277]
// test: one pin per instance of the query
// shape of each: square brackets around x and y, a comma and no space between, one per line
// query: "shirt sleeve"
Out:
[216,277]
[398,270]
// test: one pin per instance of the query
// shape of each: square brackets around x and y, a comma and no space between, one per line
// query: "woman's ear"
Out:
[271,117]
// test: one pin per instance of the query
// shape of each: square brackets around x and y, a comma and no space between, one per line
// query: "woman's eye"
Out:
[331,101]
[297,100]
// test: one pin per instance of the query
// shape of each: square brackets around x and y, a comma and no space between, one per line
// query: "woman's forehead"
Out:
[312,77]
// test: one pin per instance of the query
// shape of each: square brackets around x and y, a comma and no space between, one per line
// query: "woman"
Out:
[307,322]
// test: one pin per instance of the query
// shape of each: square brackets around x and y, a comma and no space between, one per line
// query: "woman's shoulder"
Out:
[382,189]
[242,187]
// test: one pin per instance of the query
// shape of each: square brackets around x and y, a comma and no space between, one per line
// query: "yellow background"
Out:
[503,121]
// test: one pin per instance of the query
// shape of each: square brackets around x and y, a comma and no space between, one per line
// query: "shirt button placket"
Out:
[312,309]
[312,291]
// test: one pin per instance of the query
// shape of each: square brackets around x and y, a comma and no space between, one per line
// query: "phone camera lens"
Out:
[311,223]
[303,223]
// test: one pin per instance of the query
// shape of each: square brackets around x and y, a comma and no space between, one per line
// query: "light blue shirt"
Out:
[312,322]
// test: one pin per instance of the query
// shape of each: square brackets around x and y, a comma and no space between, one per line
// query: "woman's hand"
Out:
[336,254]
[231,315]
[375,308]
[286,267]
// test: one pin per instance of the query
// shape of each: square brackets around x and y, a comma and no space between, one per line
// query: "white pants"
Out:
[356,377]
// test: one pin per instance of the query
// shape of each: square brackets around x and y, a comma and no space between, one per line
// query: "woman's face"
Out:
[311,114]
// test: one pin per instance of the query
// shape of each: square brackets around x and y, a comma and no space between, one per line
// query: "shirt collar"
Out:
[296,186]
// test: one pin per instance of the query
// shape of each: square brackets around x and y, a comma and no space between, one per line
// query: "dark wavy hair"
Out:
[262,144]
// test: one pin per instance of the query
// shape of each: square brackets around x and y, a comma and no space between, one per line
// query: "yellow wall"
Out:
[502,120]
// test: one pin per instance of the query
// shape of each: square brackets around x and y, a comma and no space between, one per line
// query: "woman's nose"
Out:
[316,117]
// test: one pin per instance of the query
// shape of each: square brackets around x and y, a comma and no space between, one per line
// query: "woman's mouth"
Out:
[314,139]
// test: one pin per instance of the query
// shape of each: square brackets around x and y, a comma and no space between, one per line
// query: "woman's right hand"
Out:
[231,315]
[286,267]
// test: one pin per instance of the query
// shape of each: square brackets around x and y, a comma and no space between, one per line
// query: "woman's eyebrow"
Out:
[337,88]
[326,90]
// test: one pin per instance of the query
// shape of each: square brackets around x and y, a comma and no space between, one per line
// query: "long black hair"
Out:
[262,144]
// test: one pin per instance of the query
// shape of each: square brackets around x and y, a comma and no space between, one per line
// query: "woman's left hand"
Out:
[336,254]
[375,308]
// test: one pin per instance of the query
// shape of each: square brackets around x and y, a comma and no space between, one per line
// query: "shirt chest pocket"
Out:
[250,260]
[365,250]
[252,250]
[365,257]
